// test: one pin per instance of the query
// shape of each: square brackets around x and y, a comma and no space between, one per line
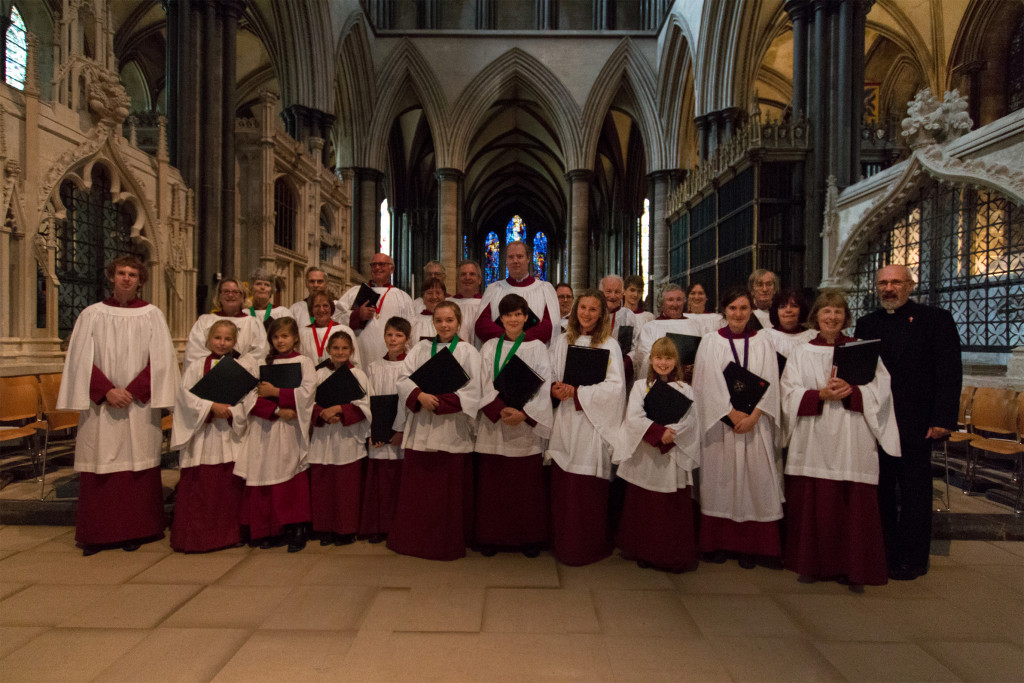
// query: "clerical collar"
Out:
[525,282]
[897,310]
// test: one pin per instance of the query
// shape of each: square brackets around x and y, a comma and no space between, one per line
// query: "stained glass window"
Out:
[492,257]
[17,50]
[515,230]
[540,256]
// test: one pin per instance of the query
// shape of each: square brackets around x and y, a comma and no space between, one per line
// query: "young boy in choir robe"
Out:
[657,462]
[586,425]
[121,370]
[275,458]
[834,528]
[337,452]
[511,495]
[208,437]
[384,465]
[313,337]
[436,489]
[741,471]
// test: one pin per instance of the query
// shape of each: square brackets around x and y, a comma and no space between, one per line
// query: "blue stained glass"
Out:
[540,256]
[492,257]
[515,230]
[17,50]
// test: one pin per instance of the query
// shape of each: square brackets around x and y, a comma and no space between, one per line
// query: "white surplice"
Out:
[251,343]
[120,342]
[540,296]
[470,307]
[784,342]
[337,444]
[308,343]
[646,466]
[521,440]
[582,440]
[370,337]
[199,442]
[839,444]
[655,330]
[452,433]
[741,476]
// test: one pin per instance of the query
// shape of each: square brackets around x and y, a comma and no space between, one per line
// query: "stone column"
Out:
[365,216]
[232,12]
[579,228]
[658,187]
[449,212]
[798,13]
[209,229]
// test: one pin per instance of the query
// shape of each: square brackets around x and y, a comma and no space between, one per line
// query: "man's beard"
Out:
[890,304]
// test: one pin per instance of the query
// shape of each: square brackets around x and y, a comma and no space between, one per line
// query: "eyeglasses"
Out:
[230,292]
[380,265]
[892,283]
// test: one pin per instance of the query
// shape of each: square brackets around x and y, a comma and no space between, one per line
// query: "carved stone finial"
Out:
[930,122]
[161,139]
[107,97]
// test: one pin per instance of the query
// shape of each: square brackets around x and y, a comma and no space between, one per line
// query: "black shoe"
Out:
[488,550]
[296,535]
[130,547]
[90,550]
[902,573]
[643,564]
[344,539]
[377,538]
[327,538]
[806,579]
[747,561]
[717,557]
[266,543]
[531,551]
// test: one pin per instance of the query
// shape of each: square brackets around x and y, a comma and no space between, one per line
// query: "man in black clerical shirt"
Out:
[921,350]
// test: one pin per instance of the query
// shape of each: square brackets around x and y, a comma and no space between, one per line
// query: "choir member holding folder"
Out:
[384,467]
[274,460]
[440,387]
[834,530]
[210,417]
[369,306]
[120,371]
[588,384]
[672,321]
[337,448]
[313,337]
[736,376]
[657,451]
[514,424]
[252,336]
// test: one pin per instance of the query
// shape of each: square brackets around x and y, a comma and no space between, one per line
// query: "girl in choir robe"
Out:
[834,529]
[431,514]
[274,460]
[586,424]
[657,462]
[434,292]
[741,477]
[384,465]
[337,452]
[511,495]
[208,437]
[313,337]
[252,336]
[788,315]
[121,370]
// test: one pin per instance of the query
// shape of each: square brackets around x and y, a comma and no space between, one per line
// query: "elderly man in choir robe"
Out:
[565,298]
[120,371]
[764,285]
[316,281]
[368,320]
[671,303]
[469,298]
[252,336]
[433,269]
[613,288]
[539,295]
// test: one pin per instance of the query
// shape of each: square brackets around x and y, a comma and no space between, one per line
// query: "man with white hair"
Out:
[468,297]
[622,319]
[540,296]
[763,285]
[921,351]
[368,319]
[671,302]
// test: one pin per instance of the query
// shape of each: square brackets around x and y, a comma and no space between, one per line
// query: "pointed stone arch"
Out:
[355,93]
[626,68]
[675,91]
[405,77]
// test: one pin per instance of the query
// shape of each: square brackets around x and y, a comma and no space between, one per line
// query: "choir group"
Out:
[467,422]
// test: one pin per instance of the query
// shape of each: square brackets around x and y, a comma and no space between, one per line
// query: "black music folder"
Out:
[686,345]
[745,388]
[384,410]
[856,361]
[665,405]
[282,375]
[365,295]
[585,366]
[442,374]
[517,383]
[531,320]
[626,339]
[754,323]
[227,382]
[325,363]
[782,362]
[340,387]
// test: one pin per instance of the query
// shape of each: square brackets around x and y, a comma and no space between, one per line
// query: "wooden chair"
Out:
[962,435]
[992,416]
[19,404]
[1010,415]
[56,420]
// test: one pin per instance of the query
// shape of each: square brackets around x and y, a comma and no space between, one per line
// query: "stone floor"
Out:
[363,613]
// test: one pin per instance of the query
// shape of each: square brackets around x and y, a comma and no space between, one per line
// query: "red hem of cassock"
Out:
[335,493]
[430,517]
[119,506]
[206,508]
[658,528]
[752,538]
[834,529]
[266,509]
[511,501]
[579,517]
[380,495]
